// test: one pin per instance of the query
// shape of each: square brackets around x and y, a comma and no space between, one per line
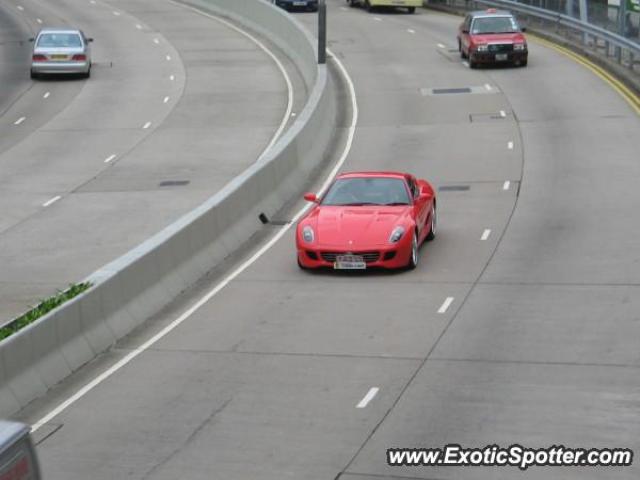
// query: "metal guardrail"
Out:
[624,50]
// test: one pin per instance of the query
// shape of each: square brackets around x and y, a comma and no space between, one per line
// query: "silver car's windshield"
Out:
[367,191]
[484,25]
[59,40]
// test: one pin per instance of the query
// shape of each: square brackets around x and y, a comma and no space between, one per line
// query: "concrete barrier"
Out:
[134,287]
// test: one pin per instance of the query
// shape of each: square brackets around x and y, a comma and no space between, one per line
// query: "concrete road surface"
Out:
[520,324]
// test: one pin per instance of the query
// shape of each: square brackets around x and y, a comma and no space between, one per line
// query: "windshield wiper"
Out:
[394,204]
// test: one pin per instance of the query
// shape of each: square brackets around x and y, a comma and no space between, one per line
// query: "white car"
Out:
[61,51]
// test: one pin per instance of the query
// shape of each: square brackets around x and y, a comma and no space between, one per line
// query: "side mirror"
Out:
[89,40]
[465,31]
[425,192]
[311,197]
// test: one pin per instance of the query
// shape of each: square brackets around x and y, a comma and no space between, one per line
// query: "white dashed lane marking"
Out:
[20,120]
[52,201]
[445,306]
[485,234]
[368,397]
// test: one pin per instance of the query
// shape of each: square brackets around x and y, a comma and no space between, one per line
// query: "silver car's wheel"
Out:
[433,223]
[414,257]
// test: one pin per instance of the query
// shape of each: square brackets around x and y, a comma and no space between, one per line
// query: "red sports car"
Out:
[367,219]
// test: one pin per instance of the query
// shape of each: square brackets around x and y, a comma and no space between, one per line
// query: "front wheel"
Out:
[414,255]
[433,224]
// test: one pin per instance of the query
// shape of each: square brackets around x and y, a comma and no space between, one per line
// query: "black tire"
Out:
[34,75]
[88,74]
[462,54]
[411,9]
[472,64]
[433,224]
[414,257]
[523,63]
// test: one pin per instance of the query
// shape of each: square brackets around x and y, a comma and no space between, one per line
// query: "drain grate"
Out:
[454,188]
[174,183]
[450,91]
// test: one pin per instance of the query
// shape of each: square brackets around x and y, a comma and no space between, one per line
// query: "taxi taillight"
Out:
[39,58]
[79,58]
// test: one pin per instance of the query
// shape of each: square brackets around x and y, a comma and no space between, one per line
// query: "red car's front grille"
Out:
[369,257]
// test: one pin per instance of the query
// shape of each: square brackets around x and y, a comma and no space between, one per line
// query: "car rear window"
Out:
[367,191]
[484,25]
[59,40]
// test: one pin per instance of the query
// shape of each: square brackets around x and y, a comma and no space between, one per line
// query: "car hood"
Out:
[357,227]
[499,38]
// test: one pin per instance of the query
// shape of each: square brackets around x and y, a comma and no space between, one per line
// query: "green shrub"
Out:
[43,308]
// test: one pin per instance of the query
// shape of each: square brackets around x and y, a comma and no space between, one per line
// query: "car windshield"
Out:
[59,40]
[367,191]
[483,25]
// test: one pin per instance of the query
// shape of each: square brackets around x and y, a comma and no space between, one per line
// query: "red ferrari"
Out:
[367,219]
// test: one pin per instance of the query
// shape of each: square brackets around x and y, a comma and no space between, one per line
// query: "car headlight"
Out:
[396,235]
[307,234]
[519,47]
[482,48]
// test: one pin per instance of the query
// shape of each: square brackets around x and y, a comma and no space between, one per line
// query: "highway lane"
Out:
[524,336]
[168,101]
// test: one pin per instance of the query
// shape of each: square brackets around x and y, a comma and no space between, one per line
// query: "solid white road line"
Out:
[510,145]
[166,100]
[110,158]
[445,306]
[46,95]
[368,397]
[52,201]
[146,125]
[225,281]
[20,120]
[506,185]
[485,234]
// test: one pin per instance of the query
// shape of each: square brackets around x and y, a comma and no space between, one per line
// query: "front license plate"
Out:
[349,262]
[299,4]
[501,57]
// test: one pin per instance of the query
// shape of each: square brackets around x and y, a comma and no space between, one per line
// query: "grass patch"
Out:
[44,307]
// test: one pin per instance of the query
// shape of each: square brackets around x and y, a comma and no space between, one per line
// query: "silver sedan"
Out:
[61,51]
